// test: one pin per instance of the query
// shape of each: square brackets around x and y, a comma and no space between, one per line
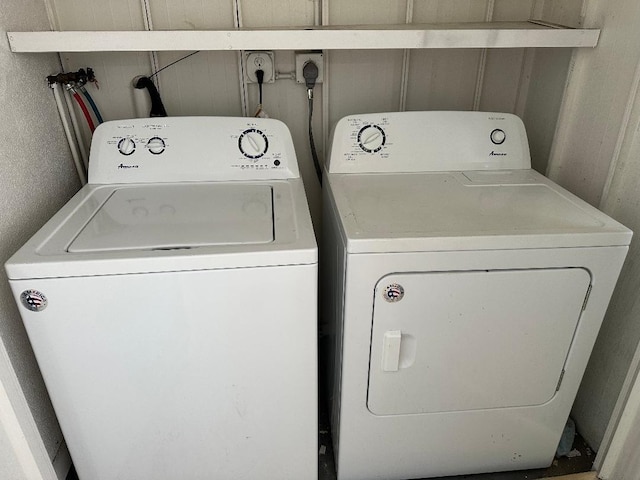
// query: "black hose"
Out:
[157,107]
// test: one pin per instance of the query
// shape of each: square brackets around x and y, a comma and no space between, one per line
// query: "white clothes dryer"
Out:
[464,292]
[171,304]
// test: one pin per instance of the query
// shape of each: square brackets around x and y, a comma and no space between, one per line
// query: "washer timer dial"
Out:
[253,143]
[126,146]
[371,138]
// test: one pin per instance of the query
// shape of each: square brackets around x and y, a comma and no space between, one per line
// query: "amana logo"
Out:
[497,154]
[33,300]
[122,165]
[393,293]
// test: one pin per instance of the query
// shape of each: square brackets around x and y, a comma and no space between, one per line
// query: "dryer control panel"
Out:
[428,142]
[182,149]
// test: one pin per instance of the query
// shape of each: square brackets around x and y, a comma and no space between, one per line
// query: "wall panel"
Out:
[191,15]
[204,84]
[364,81]
[564,12]
[366,12]
[283,13]
[442,79]
[442,11]
[502,80]
[98,15]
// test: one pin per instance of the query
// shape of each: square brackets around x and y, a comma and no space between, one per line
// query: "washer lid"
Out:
[155,217]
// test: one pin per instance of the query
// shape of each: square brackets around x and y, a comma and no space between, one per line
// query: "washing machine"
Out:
[171,304]
[463,293]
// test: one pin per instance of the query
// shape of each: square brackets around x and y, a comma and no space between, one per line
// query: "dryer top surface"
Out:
[506,209]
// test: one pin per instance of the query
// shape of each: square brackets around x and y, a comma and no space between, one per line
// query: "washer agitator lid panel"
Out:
[179,216]
[459,341]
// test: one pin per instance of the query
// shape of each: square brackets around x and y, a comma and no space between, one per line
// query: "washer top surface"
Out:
[164,200]
[148,217]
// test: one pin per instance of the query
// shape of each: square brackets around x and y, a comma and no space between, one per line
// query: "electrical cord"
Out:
[173,63]
[260,78]
[310,74]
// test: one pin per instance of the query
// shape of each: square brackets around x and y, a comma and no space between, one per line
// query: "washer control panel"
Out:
[175,149]
[428,141]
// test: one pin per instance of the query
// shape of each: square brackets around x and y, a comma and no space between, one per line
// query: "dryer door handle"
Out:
[391,351]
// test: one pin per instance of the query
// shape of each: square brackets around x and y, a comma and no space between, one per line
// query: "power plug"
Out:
[302,58]
[259,61]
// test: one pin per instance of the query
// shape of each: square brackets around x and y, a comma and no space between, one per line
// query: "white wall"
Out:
[36,177]
[596,157]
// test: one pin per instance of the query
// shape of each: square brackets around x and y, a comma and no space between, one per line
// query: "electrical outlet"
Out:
[259,61]
[304,57]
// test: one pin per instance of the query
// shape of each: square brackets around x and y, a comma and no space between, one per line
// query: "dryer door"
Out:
[454,341]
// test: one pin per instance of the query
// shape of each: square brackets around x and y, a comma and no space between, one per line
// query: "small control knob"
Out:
[498,136]
[126,146]
[253,143]
[371,138]
[156,145]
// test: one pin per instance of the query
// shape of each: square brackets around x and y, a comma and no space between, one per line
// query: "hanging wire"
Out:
[172,63]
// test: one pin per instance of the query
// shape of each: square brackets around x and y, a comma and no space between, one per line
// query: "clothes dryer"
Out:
[171,304]
[464,292]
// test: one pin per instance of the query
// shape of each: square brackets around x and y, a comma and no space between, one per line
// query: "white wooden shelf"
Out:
[460,35]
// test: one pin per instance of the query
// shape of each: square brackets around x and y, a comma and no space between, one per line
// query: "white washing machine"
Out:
[465,292]
[171,305]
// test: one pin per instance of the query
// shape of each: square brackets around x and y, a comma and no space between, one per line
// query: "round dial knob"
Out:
[498,136]
[126,146]
[371,138]
[156,145]
[253,143]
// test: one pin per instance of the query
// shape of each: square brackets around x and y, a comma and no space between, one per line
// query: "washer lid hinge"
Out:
[560,380]
[586,298]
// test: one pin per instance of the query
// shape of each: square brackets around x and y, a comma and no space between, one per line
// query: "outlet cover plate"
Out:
[304,57]
[255,60]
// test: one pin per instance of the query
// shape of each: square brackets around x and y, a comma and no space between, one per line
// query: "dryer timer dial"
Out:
[371,138]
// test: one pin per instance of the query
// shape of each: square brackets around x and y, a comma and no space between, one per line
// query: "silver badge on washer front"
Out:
[393,292]
[33,300]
